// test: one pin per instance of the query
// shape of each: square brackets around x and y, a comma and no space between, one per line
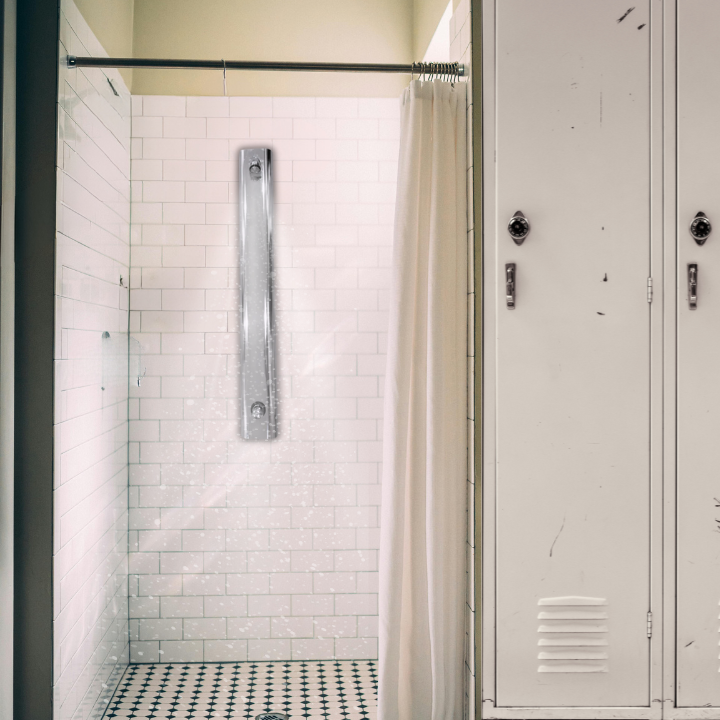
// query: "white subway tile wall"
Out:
[461,51]
[91,396]
[247,550]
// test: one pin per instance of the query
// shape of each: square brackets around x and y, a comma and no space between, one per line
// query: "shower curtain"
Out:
[423,528]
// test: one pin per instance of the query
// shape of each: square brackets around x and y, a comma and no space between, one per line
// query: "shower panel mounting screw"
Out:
[518,227]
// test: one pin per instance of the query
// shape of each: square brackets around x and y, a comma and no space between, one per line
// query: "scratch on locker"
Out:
[557,536]
[625,15]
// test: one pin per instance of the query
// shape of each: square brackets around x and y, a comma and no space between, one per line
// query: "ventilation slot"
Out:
[573,635]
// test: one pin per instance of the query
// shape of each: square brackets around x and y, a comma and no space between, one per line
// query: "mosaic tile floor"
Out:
[314,690]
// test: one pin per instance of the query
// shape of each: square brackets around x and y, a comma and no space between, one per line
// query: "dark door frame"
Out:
[35,206]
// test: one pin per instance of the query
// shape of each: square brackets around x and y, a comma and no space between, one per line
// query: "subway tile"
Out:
[225,650]
[181,651]
[179,170]
[317,649]
[285,627]
[283,539]
[181,562]
[314,171]
[316,604]
[181,519]
[205,540]
[144,607]
[207,149]
[183,127]
[359,560]
[144,652]
[203,584]
[336,627]
[208,106]
[268,561]
[230,127]
[204,628]
[161,105]
[147,170]
[291,583]
[312,561]
[335,582]
[248,584]
[388,108]
[356,648]
[332,107]
[253,627]
[163,149]
[266,650]
[270,605]
[293,107]
[247,539]
[356,171]
[223,606]
[247,107]
[160,630]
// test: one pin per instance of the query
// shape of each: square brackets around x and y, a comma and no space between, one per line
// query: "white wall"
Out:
[242,549]
[90,497]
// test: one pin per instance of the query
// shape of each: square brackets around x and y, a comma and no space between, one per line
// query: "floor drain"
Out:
[272,716]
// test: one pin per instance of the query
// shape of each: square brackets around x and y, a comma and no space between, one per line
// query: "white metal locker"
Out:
[698,359]
[572,134]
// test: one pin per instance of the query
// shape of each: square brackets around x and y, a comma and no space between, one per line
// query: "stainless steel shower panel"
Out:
[258,419]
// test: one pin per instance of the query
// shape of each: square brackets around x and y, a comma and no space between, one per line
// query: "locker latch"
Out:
[649,624]
[510,285]
[692,285]
[649,290]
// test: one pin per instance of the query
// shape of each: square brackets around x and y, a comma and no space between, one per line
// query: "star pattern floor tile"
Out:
[311,690]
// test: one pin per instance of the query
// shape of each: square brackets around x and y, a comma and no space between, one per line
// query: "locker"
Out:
[698,358]
[600,533]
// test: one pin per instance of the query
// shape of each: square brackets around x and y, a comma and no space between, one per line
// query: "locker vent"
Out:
[573,635]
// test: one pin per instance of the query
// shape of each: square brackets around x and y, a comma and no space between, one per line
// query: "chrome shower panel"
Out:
[258,416]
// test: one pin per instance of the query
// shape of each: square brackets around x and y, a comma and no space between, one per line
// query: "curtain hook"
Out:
[224,78]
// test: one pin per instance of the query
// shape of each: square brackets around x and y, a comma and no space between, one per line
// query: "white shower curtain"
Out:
[423,528]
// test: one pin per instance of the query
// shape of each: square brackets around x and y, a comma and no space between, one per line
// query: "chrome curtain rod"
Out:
[419,68]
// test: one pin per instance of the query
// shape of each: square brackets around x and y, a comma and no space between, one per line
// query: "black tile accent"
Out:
[314,690]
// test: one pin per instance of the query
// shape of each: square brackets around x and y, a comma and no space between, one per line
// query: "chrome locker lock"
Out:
[518,227]
[700,228]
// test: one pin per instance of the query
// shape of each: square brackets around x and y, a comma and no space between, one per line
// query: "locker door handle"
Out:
[692,285]
[510,285]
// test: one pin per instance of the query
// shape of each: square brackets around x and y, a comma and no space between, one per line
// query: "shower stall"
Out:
[207,546]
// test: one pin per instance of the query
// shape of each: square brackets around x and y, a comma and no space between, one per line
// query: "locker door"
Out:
[698,392]
[572,434]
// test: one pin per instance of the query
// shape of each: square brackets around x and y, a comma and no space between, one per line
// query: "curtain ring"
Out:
[224,79]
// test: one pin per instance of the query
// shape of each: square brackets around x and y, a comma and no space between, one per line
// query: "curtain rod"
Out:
[457,69]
